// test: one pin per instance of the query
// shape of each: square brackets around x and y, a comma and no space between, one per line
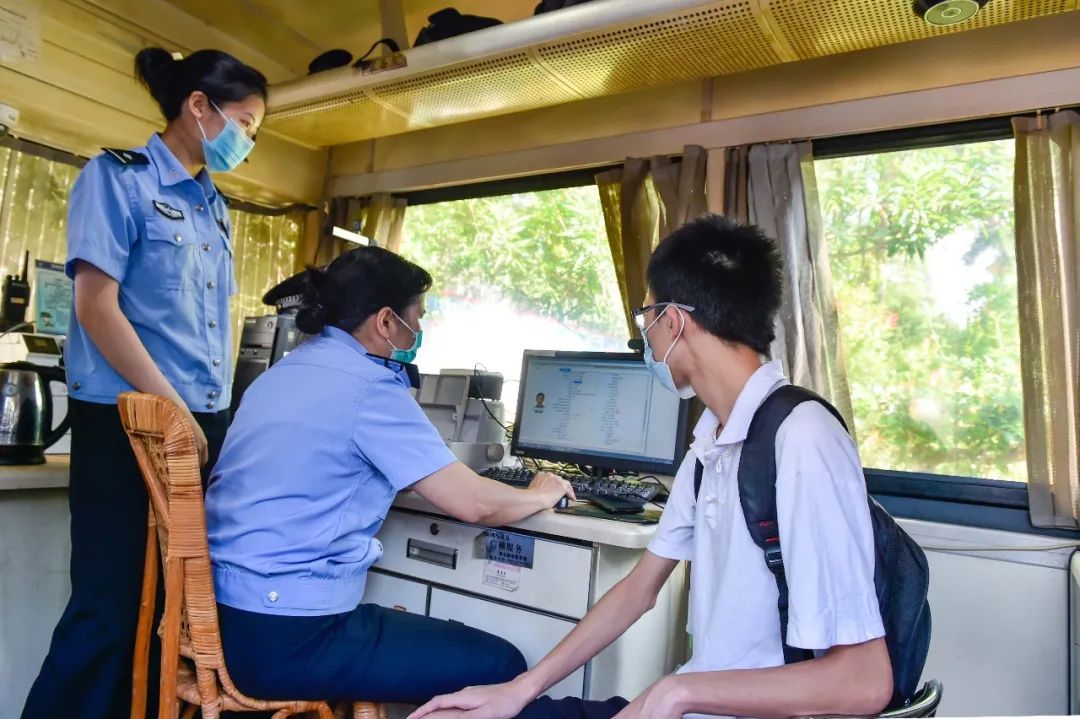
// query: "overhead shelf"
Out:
[600,48]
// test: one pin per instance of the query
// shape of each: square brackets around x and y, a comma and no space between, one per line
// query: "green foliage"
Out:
[545,251]
[935,388]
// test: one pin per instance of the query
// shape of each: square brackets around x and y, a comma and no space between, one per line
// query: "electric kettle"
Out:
[26,412]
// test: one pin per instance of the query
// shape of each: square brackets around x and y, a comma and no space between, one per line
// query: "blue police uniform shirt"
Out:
[163,235]
[319,448]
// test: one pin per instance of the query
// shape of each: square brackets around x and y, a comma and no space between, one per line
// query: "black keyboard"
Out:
[584,485]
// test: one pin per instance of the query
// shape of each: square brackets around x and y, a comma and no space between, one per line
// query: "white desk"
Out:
[436,566]
[575,561]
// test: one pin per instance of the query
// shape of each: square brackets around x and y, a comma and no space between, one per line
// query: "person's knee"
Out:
[515,661]
[507,661]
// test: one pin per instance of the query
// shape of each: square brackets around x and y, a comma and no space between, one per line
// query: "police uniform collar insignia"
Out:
[171,212]
[127,157]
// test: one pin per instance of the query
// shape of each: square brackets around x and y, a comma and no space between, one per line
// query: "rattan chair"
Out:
[192,662]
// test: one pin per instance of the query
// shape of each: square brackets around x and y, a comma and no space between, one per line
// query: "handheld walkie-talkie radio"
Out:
[16,297]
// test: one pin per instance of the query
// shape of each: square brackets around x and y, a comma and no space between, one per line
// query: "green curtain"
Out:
[643,202]
[1047,199]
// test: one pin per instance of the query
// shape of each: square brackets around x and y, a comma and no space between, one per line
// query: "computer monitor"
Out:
[599,409]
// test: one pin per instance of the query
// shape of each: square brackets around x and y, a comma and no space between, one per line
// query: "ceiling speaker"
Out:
[942,13]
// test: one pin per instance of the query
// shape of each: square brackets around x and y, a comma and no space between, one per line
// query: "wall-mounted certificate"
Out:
[53,293]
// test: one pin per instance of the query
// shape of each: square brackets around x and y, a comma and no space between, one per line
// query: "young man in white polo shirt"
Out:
[714,291]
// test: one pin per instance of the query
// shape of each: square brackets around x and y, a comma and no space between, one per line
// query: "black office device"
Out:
[16,297]
[616,505]
[265,340]
[585,486]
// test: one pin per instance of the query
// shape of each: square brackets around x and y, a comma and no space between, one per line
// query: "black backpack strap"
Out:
[757,491]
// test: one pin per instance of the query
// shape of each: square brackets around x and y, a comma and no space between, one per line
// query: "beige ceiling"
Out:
[709,39]
[295,31]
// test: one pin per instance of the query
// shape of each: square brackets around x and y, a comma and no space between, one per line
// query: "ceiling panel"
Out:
[815,28]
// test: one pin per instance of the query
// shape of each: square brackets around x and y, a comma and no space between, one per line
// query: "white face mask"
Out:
[659,368]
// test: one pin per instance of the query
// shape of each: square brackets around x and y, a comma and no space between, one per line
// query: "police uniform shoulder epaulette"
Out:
[128,158]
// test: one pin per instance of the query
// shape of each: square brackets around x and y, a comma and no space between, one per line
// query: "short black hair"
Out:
[730,273]
[218,74]
[356,285]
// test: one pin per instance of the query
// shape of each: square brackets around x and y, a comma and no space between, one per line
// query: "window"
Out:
[921,249]
[514,272]
[33,209]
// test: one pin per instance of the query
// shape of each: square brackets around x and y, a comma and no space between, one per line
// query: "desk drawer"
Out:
[396,593]
[533,634]
[451,553]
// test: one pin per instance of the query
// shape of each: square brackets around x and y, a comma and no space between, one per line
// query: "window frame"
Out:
[948,499]
[968,501]
[543,182]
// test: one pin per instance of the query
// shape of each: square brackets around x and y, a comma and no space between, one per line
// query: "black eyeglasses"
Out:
[639,314]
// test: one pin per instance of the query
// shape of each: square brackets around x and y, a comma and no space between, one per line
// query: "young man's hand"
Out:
[660,701]
[497,701]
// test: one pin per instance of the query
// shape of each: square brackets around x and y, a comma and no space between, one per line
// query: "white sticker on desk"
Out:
[502,576]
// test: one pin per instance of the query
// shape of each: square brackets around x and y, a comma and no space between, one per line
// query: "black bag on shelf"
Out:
[549,5]
[448,22]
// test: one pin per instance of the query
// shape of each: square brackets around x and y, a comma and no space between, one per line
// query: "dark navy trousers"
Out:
[376,654]
[544,708]
[371,653]
[88,668]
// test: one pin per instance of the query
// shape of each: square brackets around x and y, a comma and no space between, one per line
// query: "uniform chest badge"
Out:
[168,211]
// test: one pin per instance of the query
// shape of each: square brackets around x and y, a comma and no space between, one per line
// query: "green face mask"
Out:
[409,355]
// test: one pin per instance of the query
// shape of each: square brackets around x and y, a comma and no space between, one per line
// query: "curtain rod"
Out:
[265,210]
[29,147]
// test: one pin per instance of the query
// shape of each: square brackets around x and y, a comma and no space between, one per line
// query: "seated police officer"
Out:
[319,448]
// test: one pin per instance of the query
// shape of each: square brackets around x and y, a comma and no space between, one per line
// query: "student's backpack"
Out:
[901,574]
[448,23]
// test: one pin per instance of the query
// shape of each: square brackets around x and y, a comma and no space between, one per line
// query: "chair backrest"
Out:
[164,447]
[923,704]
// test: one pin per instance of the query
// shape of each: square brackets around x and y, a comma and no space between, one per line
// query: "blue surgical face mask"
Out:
[231,146]
[659,368]
[409,355]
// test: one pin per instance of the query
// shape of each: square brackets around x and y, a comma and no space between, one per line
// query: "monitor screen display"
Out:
[601,409]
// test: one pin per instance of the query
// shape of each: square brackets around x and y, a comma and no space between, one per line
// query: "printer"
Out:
[466,408]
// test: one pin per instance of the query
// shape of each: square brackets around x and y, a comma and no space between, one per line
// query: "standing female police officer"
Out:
[150,254]
[321,445]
